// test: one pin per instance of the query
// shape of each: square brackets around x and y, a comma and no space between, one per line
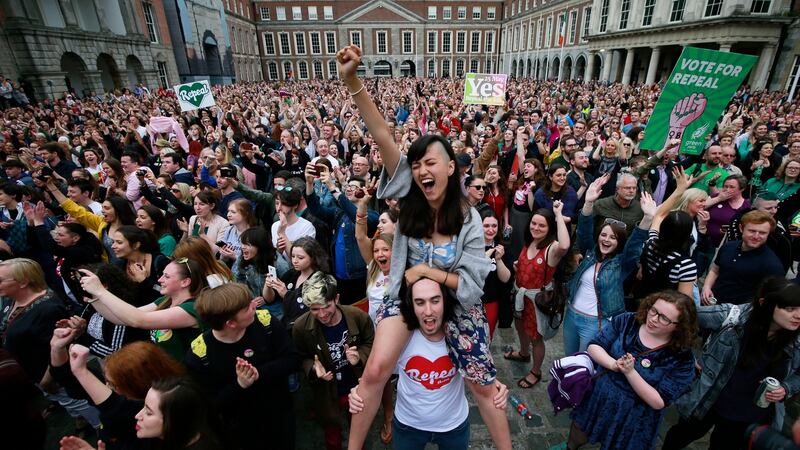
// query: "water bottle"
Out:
[520,406]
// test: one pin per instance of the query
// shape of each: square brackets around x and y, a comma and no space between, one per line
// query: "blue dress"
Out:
[614,415]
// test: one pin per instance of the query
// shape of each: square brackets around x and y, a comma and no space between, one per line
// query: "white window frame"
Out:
[676,11]
[624,14]
[333,71]
[463,70]
[587,19]
[272,71]
[317,73]
[489,41]
[462,13]
[432,12]
[385,34]
[302,35]
[476,13]
[280,14]
[435,42]
[539,33]
[448,41]
[410,34]
[572,26]
[328,35]
[762,2]
[356,33]
[297,13]
[270,40]
[474,65]
[311,42]
[284,72]
[446,71]
[523,37]
[447,13]
[713,4]
[472,47]
[300,66]
[152,30]
[327,12]
[548,32]
[265,16]
[651,5]
[604,7]
[463,36]
[163,73]
[281,35]
[431,68]
[313,14]
[491,13]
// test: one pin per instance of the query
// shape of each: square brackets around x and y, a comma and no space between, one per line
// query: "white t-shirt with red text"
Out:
[430,390]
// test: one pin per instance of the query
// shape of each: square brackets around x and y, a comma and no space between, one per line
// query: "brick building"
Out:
[240,17]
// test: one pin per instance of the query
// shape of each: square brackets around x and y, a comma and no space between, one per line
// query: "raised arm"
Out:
[348,59]
[362,237]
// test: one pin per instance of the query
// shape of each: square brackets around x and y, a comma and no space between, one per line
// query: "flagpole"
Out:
[561,38]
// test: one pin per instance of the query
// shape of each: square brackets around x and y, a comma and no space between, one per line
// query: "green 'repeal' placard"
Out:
[700,86]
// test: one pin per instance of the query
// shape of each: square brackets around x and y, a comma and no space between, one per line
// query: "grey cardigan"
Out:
[471,262]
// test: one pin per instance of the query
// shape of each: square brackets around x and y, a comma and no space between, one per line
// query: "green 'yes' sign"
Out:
[700,86]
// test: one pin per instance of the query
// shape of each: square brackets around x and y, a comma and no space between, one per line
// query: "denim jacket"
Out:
[718,361]
[343,215]
[612,272]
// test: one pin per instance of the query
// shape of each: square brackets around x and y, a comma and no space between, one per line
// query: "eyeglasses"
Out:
[185,260]
[610,221]
[479,187]
[283,188]
[614,122]
[662,319]
[175,191]
[627,145]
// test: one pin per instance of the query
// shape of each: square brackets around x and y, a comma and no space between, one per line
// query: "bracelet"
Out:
[92,301]
[361,221]
[361,216]
[447,275]
[353,94]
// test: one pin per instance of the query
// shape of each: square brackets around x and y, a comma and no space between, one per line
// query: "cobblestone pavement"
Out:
[543,431]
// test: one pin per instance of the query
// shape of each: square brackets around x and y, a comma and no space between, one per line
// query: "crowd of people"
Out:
[172,279]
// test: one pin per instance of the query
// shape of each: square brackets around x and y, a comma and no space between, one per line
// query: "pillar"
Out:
[626,73]
[725,47]
[589,70]
[761,74]
[652,68]
[606,66]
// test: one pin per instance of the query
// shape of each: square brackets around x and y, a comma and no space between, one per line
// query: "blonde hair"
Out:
[186,196]
[617,145]
[319,289]
[689,196]
[26,270]
[373,270]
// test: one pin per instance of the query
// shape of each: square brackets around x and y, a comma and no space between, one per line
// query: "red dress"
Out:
[498,204]
[531,274]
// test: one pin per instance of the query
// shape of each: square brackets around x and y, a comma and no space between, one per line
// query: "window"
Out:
[531,33]
[408,42]
[269,44]
[523,38]
[272,71]
[476,13]
[760,6]
[548,32]
[333,72]
[490,42]
[647,17]
[447,41]
[540,34]
[316,47]
[474,66]
[287,70]
[462,12]
[587,19]
[284,40]
[676,13]
[280,13]
[264,14]
[491,13]
[300,43]
[148,19]
[604,16]
[624,14]
[312,13]
[297,13]
[461,41]
[431,68]
[302,70]
[573,25]
[432,41]
[446,68]
[447,13]
[713,8]
[327,11]
[317,67]
[380,40]
[488,65]
[515,39]
[431,13]
[475,41]
[330,42]
[460,68]
[162,74]
[513,7]
[355,38]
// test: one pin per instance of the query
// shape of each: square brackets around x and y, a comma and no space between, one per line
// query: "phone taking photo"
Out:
[272,272]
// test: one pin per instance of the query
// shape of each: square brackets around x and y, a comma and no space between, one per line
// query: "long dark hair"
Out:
[552,230]
[259,237]
[774,292]
[548,181]
[123,209]
[160,225]
[674,233]
[86,238]
[621,235]
[416,217]
[407,305]
[184,409]
[145,238]
[314,250]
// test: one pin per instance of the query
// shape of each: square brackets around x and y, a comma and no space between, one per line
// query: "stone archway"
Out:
[598,65]
[135,71]
[109,72]
[408,68]
[554,68]
[212,57]
[543,68]
[74,69]
[580,67]
[382,68]
[566,71]
[514,68]
[529,68]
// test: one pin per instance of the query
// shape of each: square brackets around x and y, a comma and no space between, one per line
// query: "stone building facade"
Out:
[85,45]
[240,18]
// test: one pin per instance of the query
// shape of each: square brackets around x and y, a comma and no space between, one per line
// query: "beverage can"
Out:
[769,384]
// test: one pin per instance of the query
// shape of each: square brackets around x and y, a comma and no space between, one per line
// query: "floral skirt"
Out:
[467,337]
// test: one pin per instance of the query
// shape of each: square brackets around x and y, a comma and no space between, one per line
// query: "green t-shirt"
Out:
[703,184]
[178,341]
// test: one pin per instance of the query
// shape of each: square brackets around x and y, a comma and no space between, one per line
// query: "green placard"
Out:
[485,88]
[700,86]
[194,95]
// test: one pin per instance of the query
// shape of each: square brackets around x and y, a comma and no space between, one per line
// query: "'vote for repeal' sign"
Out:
[194,95]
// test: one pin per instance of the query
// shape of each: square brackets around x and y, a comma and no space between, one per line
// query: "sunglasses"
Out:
[185,260]
[175,191]
[283,188]
[610,221]
[479,187]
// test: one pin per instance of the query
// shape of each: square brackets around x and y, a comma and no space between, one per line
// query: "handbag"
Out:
[549,304]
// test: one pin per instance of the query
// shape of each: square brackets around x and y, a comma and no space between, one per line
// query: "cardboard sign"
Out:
[485,88]
[194,95]
[700,86]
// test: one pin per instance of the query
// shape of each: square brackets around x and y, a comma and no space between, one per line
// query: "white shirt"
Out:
[376,291]
[586,298]
[334,161]
[430,390]
[295,231]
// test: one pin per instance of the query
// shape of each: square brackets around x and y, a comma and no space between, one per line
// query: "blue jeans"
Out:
[579,329]
[409,438]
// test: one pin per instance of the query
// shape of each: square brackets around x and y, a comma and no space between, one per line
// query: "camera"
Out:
[762,437]
[45,173]
[141,172]
[227,172]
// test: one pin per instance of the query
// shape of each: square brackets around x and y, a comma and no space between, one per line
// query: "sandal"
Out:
[525,384]
[386,434]
[516,355]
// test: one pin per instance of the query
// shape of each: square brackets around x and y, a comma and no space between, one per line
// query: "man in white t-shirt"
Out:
[431,406]
[323,151]
[289,227]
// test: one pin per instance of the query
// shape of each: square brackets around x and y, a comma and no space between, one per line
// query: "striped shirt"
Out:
[653,258]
